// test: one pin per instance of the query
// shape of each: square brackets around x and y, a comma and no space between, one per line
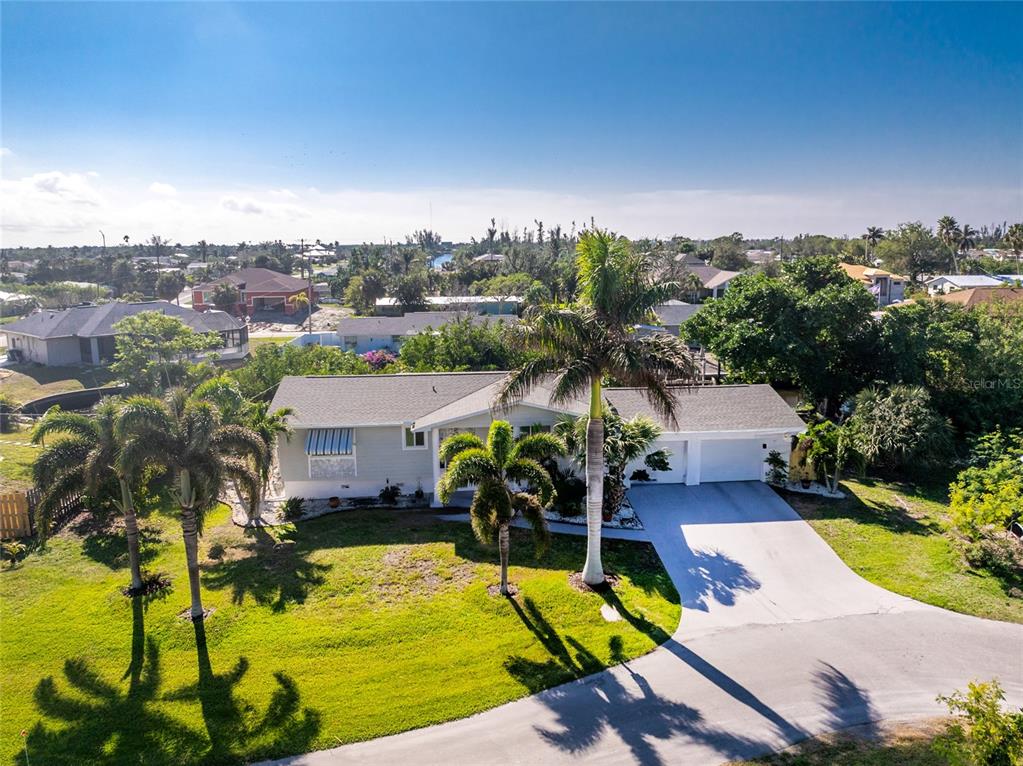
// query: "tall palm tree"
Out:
[967,240]
[187,437]
[85,460]
[580,346]
[950,234]
[873,236]
[269,426]
[490,467]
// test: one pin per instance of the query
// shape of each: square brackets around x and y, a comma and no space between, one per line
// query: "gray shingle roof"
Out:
[92,321]
[674,313]
[411,323]
[364,400]
[432,399]
[755,407]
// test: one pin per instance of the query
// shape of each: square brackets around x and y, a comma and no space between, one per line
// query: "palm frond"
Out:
[490,506]
[241,471]
[539,446]
[532,473]
[57,420]
[473,466]
[59,458]
[241,440]
[532,511]
[457,443]
[140,413]
[61,486]
[500,441]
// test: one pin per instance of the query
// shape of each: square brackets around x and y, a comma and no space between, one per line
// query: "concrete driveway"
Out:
[778,641]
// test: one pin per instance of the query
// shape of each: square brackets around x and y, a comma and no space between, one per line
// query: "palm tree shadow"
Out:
[99,721]
[273,573]
[712,575]
[620,701]
[847,704]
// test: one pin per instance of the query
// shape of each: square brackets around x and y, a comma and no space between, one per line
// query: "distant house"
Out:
[85,334]
[762,257]
[886,287]
[476,304]
[354,433]
[671,315]
[362,334]
[258,290]
[944,283]
[489,258]
[975,296]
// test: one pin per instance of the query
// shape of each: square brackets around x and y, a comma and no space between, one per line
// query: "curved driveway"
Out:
[778,641]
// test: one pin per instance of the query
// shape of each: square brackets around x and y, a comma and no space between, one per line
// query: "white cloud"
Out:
[5,152]
[164,190]
[67,208]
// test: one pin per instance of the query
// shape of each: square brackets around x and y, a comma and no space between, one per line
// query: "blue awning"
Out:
[329,441]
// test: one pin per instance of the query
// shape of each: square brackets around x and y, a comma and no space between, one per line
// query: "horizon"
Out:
[359,123]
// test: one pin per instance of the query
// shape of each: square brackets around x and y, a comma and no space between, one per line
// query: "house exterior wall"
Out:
[55,352]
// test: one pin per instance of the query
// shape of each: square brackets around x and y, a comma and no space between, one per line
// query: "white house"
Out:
[362,334]
[886,287]
[355,433]
[944,283]
[477,304]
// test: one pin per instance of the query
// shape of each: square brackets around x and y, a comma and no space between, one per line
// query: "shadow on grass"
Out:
[94,720]
[891,516]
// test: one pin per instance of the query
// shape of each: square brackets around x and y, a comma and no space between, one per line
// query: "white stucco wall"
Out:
[53,351]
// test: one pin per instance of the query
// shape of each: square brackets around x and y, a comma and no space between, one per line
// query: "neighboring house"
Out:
[85,334]
[945,283]
[258,290]
[476,304]
[713,281]
[762,257]
[355,433]
[974,296]
[489,258]
[362,334]
[671,315]
[886,287]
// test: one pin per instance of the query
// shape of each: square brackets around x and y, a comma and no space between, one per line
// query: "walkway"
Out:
[778,641]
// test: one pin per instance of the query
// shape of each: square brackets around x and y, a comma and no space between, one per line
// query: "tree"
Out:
[364,290]
[185,436]
[410,292]
[873,235]
[169,285]
[967,240]
[158,247]
[226,297]
[577,347]
[461,345]
[899,426]
[270,427]
[85,459]
[912,249]
[989,492]
[1014,239]
[149,343]
[301,301]
[270,363]
[949,234]
[829,448]
[625,441]
[981,734]
[491,467]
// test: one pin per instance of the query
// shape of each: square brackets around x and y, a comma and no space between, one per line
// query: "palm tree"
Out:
[300,301]
[578,347]
[85,460]
[490,467]
[185,435]
[873,236]
[949,234]
[269,426]
[967,240]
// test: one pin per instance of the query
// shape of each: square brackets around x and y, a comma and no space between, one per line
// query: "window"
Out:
[414,439]
[351,341]
[536,428]
[396,340]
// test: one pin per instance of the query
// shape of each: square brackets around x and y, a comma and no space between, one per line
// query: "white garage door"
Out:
[732,460]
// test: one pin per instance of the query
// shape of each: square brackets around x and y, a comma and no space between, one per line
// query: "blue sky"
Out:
[350,121]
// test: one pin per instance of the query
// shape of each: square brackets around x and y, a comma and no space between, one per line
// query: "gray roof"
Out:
[674,313]
[92,321]
[429,400]
[756,407]
[411,323]
[366,400]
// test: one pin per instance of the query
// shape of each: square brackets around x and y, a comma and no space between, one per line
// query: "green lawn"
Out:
[26,382]
[16,461]
[278,340]
[894,534]
[343,628]
[873,745]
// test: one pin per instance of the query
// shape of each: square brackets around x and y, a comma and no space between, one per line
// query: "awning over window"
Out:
[329,441]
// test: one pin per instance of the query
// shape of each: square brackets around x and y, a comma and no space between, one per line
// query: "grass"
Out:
[26,382]
[280,340]
[16,461]
[873,745]
[339,629]
[895,535]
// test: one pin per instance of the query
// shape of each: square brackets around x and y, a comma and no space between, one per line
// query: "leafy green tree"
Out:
[85,459]
[491,467]
[364,290]
[829,448]
[625,441]
[1014,239]
[899,426]
[577,347]
[270,363]
[150,343]
[226,297]
[186,437]
[410,291]
[815,273]
[169,285]
[989,492]
[461,345]
[982,733]
[912,249]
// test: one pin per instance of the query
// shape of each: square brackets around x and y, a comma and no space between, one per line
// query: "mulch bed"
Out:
[186,614]
[152,584]
[611,581]
[495,590]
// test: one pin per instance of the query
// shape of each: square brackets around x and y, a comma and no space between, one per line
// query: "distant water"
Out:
[439,260]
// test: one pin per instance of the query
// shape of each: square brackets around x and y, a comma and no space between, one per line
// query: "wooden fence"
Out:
[17,513]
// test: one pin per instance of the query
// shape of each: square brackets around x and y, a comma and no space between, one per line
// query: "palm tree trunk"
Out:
[190,532]
[593,570]
[503,547]
[131,526]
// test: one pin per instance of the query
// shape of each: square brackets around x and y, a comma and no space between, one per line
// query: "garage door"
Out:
[732,460]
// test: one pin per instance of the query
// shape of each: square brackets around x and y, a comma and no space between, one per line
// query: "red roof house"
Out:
[258,290]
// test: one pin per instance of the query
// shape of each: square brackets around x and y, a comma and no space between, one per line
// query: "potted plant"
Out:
[419,494]
[334,502]
[390,493]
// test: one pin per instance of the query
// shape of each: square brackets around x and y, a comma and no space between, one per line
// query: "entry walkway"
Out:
[778,641]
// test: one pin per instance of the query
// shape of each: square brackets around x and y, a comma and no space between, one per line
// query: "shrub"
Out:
[12,550]
[982,734]
[390,493]
[379,359]
[777,468]
[990,491]
[899,426]
[640,474]
[996,551]
[292,508]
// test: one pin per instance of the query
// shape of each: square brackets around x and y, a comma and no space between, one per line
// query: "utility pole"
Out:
[309,290]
